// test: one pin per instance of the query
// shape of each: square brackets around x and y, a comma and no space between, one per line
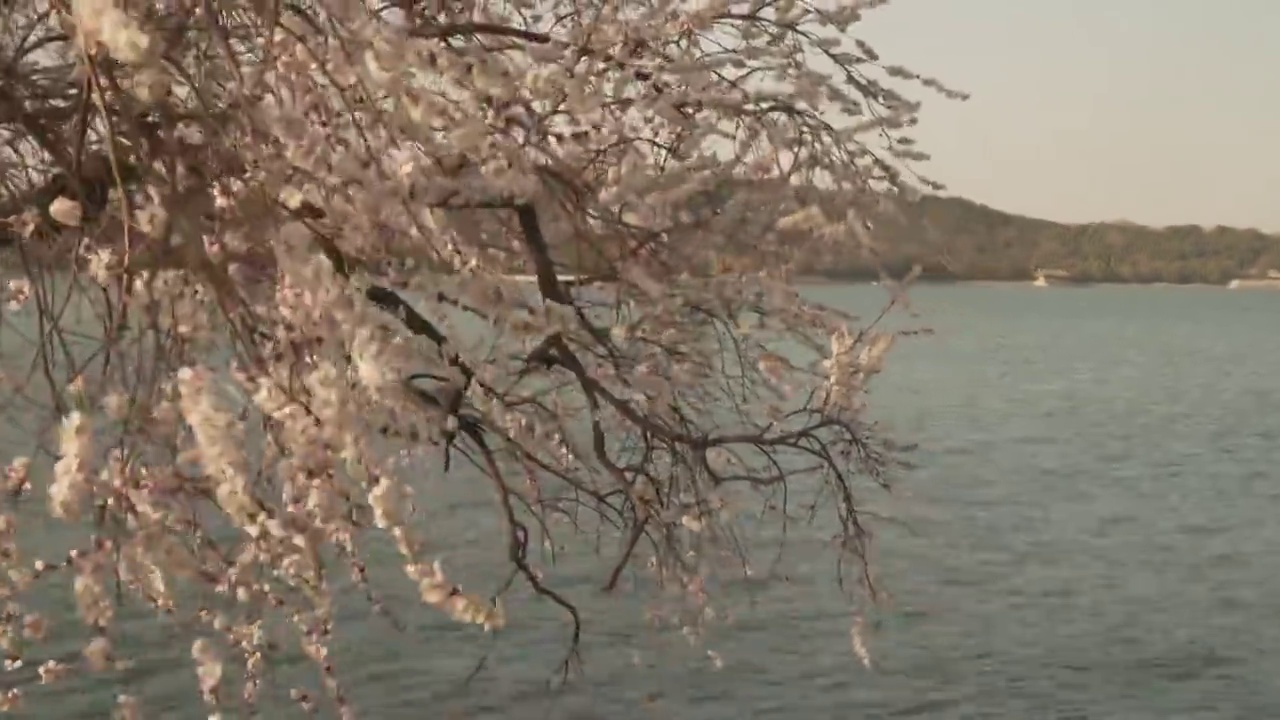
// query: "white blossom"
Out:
[323,204]
[66,211]
[69,488]
[208,667]
[98,654]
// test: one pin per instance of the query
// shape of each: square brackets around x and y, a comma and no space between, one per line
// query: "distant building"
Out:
[1045,277]
[1053,274]
[1269,281]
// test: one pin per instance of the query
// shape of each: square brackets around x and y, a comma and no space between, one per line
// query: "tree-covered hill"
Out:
[957,238]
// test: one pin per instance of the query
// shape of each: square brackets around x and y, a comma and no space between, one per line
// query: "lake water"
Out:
[1093,531]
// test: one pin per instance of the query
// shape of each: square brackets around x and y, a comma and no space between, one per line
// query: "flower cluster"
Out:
[323,257]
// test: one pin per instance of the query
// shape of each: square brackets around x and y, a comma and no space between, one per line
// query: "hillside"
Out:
[954,238]
[957,239]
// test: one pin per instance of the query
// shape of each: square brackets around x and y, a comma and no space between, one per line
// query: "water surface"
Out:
[1091,533]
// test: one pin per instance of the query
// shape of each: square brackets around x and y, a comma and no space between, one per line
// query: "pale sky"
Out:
[1160,112]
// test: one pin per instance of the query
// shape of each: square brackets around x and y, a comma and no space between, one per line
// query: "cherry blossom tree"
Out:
[277,260]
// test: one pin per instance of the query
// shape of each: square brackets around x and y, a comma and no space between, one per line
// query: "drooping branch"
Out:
[471,138]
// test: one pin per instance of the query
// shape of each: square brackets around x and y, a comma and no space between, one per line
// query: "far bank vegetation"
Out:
[954,238]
